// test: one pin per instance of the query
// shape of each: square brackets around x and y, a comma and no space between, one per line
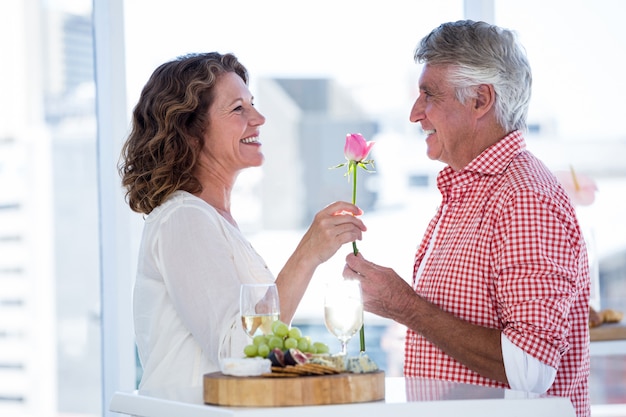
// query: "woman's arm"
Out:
[332,227]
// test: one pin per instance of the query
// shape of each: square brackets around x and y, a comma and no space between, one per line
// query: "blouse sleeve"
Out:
[197,260]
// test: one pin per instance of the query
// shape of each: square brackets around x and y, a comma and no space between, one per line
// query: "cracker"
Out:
[280,375]
[297,369]
[324,369]
[282,370]
[307,369]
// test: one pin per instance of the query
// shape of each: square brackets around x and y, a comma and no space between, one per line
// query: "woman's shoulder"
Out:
[182,203]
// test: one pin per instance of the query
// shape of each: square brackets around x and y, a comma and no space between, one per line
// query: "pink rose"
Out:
[356,148]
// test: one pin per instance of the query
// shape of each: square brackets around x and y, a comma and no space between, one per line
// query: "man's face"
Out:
[449,125]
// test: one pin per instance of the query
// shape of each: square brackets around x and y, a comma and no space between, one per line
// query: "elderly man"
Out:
[500,293]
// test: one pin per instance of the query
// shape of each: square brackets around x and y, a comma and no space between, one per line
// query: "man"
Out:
[500,292]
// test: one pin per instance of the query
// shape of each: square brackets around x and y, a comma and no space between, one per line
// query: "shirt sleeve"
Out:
[536,256]
[524,372]
[197,260]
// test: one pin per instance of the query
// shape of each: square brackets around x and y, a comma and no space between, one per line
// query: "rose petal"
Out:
[356,148]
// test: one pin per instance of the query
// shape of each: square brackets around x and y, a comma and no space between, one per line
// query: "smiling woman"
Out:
[193,130]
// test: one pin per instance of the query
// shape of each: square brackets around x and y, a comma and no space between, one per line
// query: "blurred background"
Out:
[72,70]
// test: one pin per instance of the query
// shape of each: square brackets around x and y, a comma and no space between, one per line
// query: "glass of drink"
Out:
[259,307]
[343,310]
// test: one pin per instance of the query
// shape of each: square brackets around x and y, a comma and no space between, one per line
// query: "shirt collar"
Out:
[492,161]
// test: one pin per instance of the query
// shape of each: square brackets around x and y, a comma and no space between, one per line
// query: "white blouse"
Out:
[186,296]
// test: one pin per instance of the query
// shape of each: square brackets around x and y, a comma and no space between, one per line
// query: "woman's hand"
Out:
[331,228]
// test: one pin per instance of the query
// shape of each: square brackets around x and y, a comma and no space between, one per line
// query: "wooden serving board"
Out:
[344,388]
[608,331]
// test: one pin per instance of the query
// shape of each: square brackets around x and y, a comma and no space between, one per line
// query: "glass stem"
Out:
[344,348]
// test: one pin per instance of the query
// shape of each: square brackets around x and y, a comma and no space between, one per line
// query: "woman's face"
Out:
[231,141]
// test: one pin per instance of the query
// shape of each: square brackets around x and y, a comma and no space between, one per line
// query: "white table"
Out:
[408,397]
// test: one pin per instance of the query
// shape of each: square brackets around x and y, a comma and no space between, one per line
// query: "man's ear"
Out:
[485,98]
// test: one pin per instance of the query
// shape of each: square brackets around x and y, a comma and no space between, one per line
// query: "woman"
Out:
[193,130]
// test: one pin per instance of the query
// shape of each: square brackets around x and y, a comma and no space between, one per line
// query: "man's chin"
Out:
[432,155]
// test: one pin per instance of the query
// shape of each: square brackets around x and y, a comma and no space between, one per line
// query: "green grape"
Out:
[280,329]
[295,333]
[250,351]
[263,350]
[321,347]
[283,337]
[303,344]
[274,324]
[291,343]
[259,340]
[275,342]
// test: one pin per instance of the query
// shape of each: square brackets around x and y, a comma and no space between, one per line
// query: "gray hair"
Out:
[480,53]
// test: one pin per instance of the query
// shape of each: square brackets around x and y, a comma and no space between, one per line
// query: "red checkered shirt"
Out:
[508,254]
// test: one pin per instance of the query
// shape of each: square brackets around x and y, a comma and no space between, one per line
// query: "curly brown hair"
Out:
[168,124]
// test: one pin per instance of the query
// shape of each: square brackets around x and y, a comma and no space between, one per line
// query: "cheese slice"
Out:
[245,366]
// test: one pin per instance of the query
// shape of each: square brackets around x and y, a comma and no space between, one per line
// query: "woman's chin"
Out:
[256,162]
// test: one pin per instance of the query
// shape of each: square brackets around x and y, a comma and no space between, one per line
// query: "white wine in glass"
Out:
[259,308]
[343,310]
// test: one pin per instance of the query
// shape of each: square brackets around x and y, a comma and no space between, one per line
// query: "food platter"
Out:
[267,391]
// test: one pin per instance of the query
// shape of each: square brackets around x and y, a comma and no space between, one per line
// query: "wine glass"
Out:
[343,310]
[259,307]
